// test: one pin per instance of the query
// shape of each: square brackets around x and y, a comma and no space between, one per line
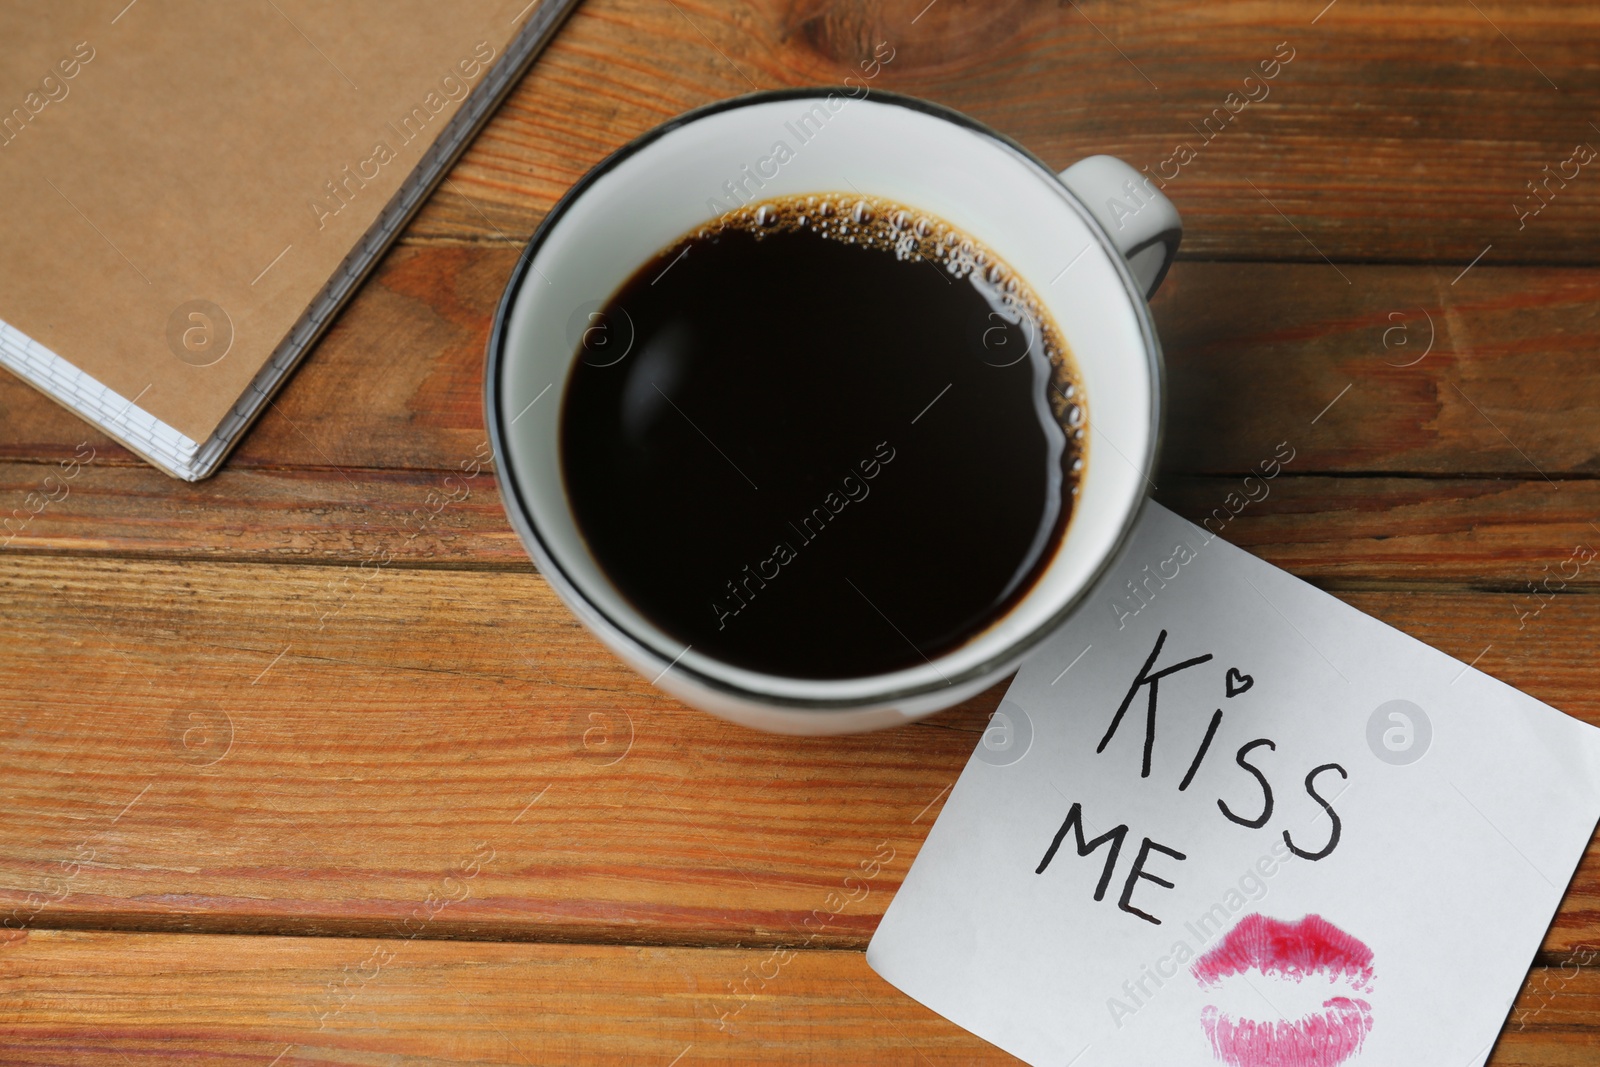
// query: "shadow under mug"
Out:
[1093,242]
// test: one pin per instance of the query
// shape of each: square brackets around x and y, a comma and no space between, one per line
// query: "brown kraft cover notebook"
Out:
[191,189]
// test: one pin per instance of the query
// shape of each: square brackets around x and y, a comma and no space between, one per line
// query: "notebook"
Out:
[191,190]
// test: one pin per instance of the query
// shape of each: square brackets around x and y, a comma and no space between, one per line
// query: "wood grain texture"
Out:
[85,1000]
[1256,353]
[1398,372]
[1530,539]
[310,757]
[88,999]
[1398,132]
[335,517]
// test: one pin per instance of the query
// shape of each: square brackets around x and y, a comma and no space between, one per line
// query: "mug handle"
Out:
[1141,222]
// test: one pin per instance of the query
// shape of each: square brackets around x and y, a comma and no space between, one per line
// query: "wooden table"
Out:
[305,764]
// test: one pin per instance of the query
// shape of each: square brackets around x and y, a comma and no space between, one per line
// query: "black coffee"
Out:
[823,437]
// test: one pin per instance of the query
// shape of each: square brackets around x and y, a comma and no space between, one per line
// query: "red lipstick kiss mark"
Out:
[1296,951]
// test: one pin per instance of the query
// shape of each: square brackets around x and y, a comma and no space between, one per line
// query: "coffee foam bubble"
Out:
[911,235]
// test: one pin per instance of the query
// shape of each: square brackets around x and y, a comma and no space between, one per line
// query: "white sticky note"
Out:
[1381,908]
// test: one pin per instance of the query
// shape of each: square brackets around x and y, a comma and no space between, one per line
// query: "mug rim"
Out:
[614,631]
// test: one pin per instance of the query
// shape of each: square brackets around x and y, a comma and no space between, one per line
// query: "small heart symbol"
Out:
[1238,681]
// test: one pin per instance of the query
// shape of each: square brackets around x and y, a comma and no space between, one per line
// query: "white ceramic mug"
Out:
[1093,242]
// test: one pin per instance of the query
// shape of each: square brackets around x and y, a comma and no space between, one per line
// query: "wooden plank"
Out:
[83,999]
[313,756]
[412,518]
[1399,372]
[1396,133]
[1486,533]
[1256,355]
[1532,539]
